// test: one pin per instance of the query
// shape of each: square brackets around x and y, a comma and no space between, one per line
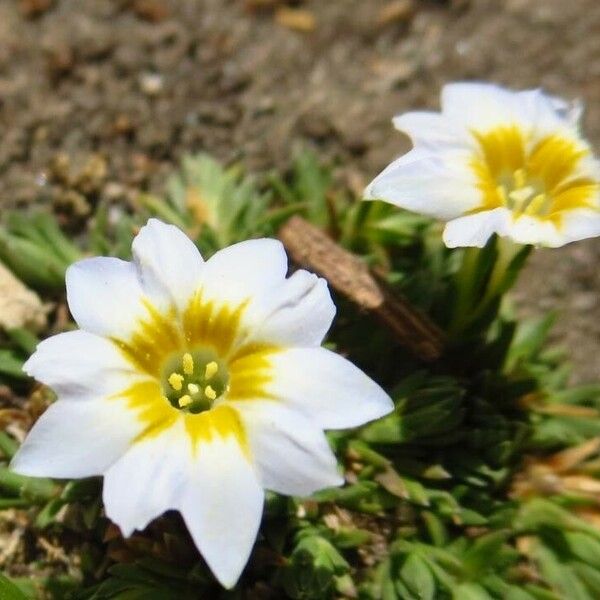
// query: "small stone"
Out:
[114,191]
[332,521]
[72,203]
[19,306]
[32,9]
[122,125]
[315,125]
[92,175]
[60,61]
[460,5]
[59,168]
[151,83]
[297,19]
[393,73]
[585,301]
[153,11]
[258,5]
[399,11]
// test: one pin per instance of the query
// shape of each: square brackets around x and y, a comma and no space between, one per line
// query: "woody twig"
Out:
[311,248]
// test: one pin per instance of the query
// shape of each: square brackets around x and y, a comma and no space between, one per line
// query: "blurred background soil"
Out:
[100,98]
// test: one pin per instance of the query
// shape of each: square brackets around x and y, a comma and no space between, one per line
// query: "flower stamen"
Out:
[212,368]
[184,401]
[188,364]
[176,381]
[195,379]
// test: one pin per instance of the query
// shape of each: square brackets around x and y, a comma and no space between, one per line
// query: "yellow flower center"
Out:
[192,366]
[538,178]
[194,380]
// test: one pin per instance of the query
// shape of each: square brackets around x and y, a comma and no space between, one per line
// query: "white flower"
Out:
[193,385]
[496,161]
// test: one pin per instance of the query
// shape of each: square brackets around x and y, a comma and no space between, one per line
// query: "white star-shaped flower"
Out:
[497,161]
[195,385]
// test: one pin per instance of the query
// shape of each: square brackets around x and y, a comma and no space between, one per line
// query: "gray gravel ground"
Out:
[98,98]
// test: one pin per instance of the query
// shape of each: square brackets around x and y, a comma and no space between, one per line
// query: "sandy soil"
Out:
[114,91]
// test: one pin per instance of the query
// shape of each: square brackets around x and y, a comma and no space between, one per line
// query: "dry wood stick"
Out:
[311,248]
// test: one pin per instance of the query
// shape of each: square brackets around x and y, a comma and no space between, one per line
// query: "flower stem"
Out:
[502,277]
[476,296]
[8,445]
[33,489]
[465,289]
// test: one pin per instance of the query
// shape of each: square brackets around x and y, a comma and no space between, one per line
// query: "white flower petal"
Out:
[148,479]
[476,229]
[430,130]
[290,451]
[169,263]
[76,439]
[104,295]
[79,365]
[580,224]
[539,232]
[483,106]
[479,106]
[327,388]
[438,184]
[245,270]
[299,312]
[222,507]
[544,114]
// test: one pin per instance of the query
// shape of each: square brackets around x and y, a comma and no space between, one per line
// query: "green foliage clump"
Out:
[482,484]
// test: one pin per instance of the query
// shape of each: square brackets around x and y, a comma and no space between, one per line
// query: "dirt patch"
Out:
[131,85]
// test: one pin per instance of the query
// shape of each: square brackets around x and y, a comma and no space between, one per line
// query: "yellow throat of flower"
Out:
[189,364]
[194,380]
[538,178]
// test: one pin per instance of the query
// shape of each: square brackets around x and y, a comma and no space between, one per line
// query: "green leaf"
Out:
[8,445]
[589,575]
[11,365]
[35,489]
[482,556]
[528,340]
[311,183]
[24,339]
[470,591]
[561,577]
[539,513]
[223,204]
[9,591]
[584,547]
[36,250]
[312,569]
[502,589]
[351,537]
[418,578]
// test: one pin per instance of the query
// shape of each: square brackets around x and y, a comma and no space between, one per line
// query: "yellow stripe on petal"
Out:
[503,149]
[554,159]
[151,407]
[156,415]
[154,338]
[251,372]
[206,323]
[222,421]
